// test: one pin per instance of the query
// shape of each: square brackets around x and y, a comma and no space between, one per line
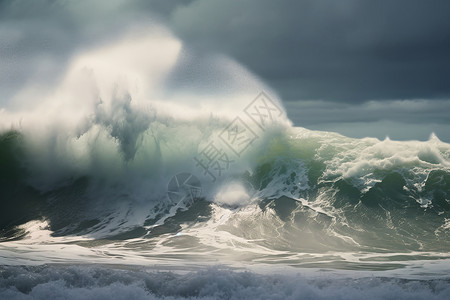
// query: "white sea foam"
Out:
[91,282]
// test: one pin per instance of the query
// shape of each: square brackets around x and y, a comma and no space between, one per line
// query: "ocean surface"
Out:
[113,187]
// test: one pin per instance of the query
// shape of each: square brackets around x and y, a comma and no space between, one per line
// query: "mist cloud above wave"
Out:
[44,41]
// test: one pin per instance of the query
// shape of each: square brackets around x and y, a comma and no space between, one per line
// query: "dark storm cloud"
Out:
[29,43]
[344,50]
[405,111]
[362,68]
[331,50]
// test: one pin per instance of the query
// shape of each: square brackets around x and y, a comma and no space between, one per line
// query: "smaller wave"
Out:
[94,282]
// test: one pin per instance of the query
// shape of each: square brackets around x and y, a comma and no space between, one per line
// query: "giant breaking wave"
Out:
[88,162]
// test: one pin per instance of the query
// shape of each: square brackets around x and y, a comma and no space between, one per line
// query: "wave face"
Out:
[291,190]
[135,157]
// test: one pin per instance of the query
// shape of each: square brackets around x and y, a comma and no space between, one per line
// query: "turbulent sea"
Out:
[114,188]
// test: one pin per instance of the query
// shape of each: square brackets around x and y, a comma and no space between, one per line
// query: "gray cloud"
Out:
[398,119]
[405,111]
[390,128]
[331,50]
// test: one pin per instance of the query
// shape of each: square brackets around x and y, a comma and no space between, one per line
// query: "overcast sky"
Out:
[358,67]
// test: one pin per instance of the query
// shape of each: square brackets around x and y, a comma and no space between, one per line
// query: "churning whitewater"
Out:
[136,163]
